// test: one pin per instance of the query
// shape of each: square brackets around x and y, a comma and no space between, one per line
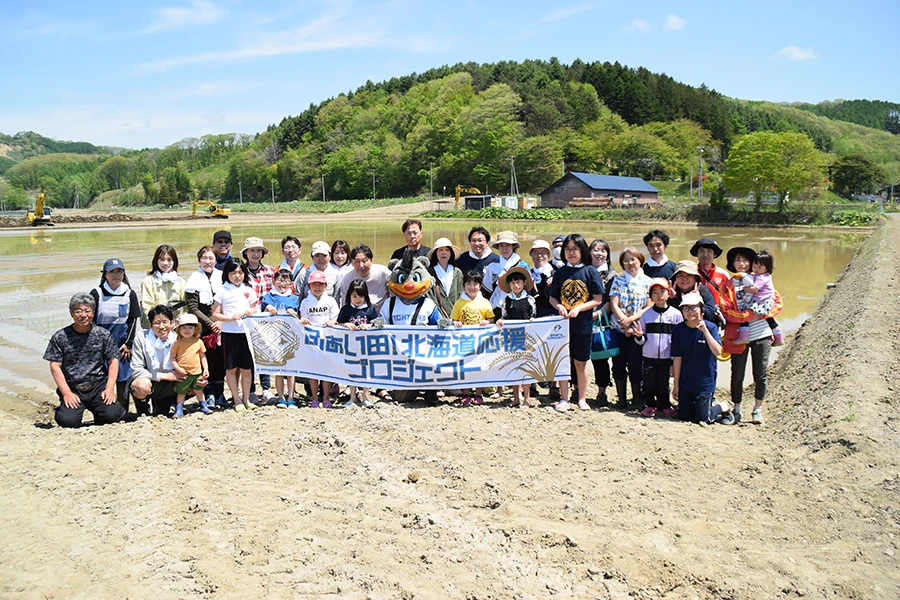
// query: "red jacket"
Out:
[734,317]
[714,280]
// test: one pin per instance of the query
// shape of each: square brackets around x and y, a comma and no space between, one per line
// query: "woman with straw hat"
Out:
[448,279]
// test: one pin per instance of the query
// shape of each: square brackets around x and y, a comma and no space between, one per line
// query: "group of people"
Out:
[183,337]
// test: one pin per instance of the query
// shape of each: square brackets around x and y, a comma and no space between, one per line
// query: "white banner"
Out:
[419,358]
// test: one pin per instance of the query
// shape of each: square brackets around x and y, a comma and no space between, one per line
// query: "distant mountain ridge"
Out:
[27,144]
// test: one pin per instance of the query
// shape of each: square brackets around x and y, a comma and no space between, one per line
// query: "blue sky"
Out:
[151,73]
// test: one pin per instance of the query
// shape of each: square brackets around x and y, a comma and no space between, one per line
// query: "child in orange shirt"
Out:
[189,359]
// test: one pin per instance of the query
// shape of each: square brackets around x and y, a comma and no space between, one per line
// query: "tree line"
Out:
[466,124]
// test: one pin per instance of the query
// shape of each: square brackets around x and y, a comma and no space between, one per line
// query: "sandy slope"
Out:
[485,502]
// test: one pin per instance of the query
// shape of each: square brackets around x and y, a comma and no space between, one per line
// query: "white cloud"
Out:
[329,32]
[639,25]
[200,12]
[795,53]
[674,23]
[564,13]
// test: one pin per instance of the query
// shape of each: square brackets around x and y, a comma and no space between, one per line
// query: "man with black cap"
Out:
[222,247]
[707,250]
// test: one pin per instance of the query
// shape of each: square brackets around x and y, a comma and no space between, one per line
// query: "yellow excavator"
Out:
[460,190]
[213,212]
[41,214]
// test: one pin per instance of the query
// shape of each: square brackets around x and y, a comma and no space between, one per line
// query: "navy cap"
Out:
[222,235]
[113,263]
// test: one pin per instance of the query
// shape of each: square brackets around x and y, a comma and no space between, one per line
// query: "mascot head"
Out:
[410,278]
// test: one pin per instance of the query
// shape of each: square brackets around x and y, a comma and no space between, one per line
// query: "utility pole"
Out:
[691,180]
[700,176]
[431,183]
[893,168]
[323,187]
[513,183]
[373,187]
[272,181]
[77,196]
[241,192]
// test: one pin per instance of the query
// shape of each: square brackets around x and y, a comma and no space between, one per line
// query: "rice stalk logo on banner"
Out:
[412,357]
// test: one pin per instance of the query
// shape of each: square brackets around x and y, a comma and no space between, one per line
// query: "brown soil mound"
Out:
[485,502]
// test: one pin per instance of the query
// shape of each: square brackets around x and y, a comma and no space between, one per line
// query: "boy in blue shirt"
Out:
[695,346]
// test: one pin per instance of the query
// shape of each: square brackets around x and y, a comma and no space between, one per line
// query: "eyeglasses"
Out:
[691,307]
[82,311]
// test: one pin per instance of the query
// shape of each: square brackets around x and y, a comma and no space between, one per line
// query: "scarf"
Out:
[201,282]
[629,278]
[512,261]
[171,276]
[295,269]
[119,291]
[487,252]
[538,271]
[444,276]
[157,344]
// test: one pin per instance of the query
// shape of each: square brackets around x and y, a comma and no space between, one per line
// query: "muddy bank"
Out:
[486,502]
[77,219]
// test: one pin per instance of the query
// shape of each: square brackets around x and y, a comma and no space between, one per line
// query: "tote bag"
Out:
[603,342]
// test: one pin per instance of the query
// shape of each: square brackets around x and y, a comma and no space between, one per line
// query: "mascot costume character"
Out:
[407,304]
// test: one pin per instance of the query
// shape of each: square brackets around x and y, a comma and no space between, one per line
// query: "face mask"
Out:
[557,253]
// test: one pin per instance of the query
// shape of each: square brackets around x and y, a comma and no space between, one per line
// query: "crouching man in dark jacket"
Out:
[84,363]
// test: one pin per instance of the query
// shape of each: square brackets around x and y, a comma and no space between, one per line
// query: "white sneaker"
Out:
[267,396]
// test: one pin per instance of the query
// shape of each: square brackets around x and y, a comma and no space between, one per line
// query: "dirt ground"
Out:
[407,501]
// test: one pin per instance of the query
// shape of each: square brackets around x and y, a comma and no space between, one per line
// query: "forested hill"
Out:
[871,113]
[26,144]
[549,101]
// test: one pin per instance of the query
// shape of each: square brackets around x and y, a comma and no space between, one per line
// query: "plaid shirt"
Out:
[262,281]
[632,294]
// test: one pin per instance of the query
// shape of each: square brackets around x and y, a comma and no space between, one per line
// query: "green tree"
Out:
[640,154]
[780,163]
[166,196]
[855,174]
[538,163]
[151,192]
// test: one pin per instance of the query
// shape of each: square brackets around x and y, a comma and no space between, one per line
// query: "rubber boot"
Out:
[204,407]
[622,393]
[637,399]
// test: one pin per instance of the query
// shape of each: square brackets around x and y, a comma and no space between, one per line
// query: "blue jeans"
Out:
[698,408]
